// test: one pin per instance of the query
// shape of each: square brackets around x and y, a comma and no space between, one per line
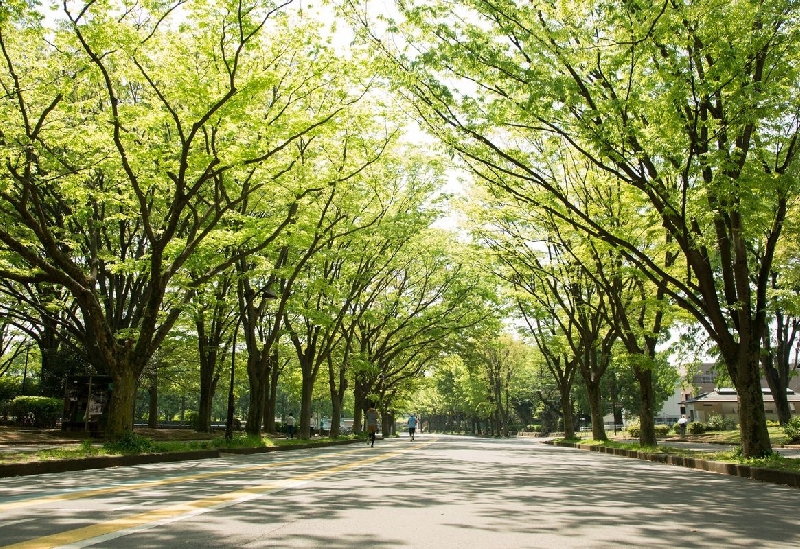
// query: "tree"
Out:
[433,295]
[348,207]
[42,313]
[548,334]
[501,361]
[556,287]
[628,388]
[408,180]
[458,396]
[691,106]
[129,136]
[213,318]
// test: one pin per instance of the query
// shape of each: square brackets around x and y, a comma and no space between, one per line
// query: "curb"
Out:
[104,462]
[733,469]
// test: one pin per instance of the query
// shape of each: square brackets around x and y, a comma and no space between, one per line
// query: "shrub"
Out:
[773,423]
[696,428]
[9,387]
[130,443]
[36,411]
[192,418]
[717,422]
[792,429]
[662,430]
[634,429]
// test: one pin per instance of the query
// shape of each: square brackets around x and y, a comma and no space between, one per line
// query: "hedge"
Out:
[36,411]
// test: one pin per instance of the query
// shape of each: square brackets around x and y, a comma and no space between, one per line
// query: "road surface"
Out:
[438,492]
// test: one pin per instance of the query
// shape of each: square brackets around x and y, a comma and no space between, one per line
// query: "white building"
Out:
[725,402]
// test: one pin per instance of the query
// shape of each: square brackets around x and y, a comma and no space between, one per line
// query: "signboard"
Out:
[86,403]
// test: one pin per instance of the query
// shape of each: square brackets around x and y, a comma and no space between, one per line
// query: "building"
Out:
[706,379]
[725,402]
[673,407]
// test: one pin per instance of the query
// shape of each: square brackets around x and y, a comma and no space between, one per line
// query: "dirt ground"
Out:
[19,435]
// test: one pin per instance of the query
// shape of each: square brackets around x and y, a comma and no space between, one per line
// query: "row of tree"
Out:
[635,153]
[230,173]
[217,173]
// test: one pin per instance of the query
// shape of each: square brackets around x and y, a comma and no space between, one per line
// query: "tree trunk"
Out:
[267,420]
[306,395]
[743,362]
[647,424]
[596,409]
[752,420]
[387,422]
[272,394]
[566,410]
[359,405]
[778,390]
[257,377]
[51,377]
[336,417]
[206,395]
[337,391]
[506,404]
[122,405]
[777,360]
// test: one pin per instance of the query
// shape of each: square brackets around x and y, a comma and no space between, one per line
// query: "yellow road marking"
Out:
[139,485]
[138,520]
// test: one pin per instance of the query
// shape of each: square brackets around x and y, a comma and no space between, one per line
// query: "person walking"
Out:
[412,426]
[682,424]
[290,426]
[372,424]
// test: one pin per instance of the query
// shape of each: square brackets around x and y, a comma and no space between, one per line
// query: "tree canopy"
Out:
[253,177]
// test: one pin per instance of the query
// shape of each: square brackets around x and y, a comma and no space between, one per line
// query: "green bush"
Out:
[36,411]
[662,430]
[696,428]
[773,423]
[634,429]
[130,443]
[717,422]
[792,429]
[192,418]
[9,387]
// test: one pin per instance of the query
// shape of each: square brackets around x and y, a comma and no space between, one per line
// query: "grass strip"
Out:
[775,461]
[134,444]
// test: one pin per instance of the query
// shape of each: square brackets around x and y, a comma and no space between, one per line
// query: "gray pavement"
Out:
[438,492]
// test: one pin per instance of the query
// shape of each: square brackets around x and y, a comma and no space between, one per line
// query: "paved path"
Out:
[438,493]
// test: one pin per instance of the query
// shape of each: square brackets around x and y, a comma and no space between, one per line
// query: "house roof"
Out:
[725,394]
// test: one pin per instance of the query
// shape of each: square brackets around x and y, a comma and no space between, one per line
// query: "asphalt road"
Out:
[438,492]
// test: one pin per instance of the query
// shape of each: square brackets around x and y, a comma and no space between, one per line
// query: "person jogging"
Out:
[372,424]
[412,426]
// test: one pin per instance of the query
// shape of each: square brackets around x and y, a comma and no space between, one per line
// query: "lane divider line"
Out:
[80,494]
[143,521]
